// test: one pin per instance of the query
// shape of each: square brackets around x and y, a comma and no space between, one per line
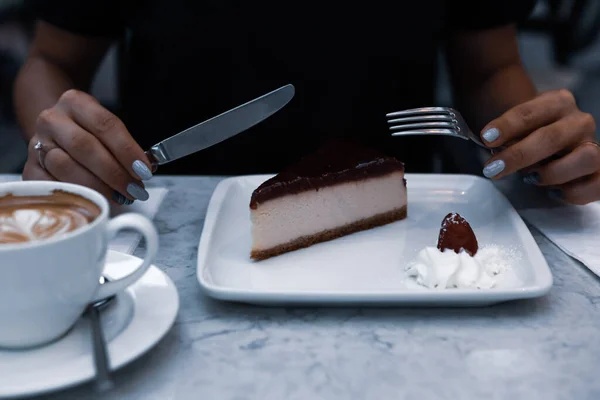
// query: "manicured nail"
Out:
[490,134]
[555,194]
[137,191]
[493,168]
[120,199]
[532,179]
[141,170]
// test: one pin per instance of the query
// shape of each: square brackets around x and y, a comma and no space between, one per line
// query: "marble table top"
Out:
[546,348]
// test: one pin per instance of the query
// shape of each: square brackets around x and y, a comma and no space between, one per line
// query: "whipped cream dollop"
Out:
[446,269]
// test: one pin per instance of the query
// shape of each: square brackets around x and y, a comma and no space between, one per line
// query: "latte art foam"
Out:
[32,218]
[26,225]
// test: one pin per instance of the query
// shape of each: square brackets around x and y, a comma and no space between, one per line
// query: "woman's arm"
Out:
[57,61]
[487,74]
[84,143]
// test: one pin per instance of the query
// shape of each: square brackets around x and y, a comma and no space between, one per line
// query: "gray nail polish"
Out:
[491,134]
[119,198]
[141,170]
[137,191]
[493,168]
[555,194]
[532,179]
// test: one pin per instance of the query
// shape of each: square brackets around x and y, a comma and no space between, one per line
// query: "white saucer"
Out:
[132,325]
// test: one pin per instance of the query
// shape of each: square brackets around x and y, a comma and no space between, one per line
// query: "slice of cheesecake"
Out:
[341,189]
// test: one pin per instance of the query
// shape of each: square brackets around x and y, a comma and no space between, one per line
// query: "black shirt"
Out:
[351,63]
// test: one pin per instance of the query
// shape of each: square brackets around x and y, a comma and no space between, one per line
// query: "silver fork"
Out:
[443,121]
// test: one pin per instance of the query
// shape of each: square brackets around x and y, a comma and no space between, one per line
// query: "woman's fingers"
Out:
[525,118]
[543,143]
[86,150]
[109,130]
[581,191]
[83,143]
[584,160]
[33,172]
[64,168]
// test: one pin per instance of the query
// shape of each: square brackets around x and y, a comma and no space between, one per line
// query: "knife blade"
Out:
[219,128]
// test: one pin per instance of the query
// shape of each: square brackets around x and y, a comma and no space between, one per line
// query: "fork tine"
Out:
[424,125]
[424,118]
[446,132]
[421,111]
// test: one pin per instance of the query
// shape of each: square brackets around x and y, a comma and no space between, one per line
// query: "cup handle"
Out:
[143,225]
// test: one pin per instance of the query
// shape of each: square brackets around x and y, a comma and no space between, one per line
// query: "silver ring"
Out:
[594,142]
[40,149]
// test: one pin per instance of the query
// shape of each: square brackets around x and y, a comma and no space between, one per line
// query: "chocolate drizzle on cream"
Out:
[32,218]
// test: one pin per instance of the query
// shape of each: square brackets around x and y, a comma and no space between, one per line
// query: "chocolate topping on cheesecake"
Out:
[335,163]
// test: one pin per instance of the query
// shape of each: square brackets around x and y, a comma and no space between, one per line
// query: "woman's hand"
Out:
[552,142]
[83,143]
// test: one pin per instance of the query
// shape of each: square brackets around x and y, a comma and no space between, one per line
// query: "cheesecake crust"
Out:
[324,236]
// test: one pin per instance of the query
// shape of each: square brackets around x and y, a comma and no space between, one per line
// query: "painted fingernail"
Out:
[137,191]
[490,134]
[120,199]
[493,168]
[555,194]
[532,179]
[141,170]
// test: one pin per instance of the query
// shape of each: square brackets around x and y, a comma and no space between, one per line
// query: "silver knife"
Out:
[219,128]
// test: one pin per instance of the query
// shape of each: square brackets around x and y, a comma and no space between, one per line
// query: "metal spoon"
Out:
[103,380]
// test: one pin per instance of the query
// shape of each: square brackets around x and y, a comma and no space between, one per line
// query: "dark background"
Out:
[559,45]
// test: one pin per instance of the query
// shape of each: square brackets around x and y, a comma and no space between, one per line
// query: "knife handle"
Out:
[153,160]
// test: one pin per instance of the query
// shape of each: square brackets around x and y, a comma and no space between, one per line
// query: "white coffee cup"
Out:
[46,285]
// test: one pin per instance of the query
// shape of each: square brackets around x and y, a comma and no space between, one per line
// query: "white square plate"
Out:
[365,268]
